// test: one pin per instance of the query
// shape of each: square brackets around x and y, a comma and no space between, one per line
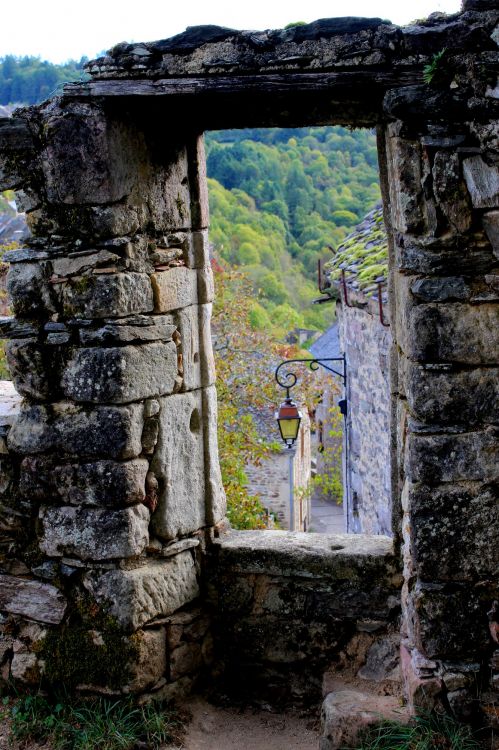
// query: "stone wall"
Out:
[115,443]
[288,607]
[443,185]
[366,343]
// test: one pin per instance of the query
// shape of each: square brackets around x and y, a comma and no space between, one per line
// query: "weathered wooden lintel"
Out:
[356,84]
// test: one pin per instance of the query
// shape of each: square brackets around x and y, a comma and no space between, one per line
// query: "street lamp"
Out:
[288,418]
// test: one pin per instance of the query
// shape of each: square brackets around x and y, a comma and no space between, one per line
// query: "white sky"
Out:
[61,29]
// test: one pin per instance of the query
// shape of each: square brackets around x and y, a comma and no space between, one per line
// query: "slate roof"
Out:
[327,345]
[363,255]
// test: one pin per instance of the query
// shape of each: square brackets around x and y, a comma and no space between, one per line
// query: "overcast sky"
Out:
[61,29]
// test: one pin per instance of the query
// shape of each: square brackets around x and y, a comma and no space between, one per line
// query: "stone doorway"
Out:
[113,179]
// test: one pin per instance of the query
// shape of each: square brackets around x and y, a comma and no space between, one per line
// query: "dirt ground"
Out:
[216,728]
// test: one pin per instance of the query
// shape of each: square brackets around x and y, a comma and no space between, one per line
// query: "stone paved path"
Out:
[327,517]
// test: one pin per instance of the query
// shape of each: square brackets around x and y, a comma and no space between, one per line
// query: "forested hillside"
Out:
[28,80]
[279,198]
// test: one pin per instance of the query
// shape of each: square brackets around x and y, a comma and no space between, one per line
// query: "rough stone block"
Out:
[200,210]
[422,691]
[196,346]
[346,713]
[25,667]
[471,456]
[441,289]
[450,191]
[197,250]
[78,263]
[28,288]
[216,503]
[451,624]
[382,660]
[174,289]
[451,396]
[206,285]
[89,157]
[94,534]
[16,153]
[208,370]
[178,464]
[445,256]
[135,597]
[446,332]
[404,178]
[140,329]
[35,368]
[491,226]
[454,531]
[482,181]
[188,326]
[101,483]
[121,374]
[149,664]
[103,431]
[108,295]
[32,599]
[186,659]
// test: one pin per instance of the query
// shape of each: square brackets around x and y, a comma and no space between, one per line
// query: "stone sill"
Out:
[303,554]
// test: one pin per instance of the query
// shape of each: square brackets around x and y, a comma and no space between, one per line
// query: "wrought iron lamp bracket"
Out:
[288,380]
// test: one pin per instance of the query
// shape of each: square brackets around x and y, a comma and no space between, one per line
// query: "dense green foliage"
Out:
[29,80]
[279,199]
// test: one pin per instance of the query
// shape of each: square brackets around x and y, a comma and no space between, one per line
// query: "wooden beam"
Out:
[355,83]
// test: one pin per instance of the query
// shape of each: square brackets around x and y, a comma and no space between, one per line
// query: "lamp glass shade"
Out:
[288,418]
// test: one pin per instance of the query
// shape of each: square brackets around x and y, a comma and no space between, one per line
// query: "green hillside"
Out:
[29,80]
[279,199]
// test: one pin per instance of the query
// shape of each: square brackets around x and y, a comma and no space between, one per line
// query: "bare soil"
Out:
[222,728]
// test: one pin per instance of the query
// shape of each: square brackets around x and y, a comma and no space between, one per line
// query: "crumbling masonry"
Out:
[117,575]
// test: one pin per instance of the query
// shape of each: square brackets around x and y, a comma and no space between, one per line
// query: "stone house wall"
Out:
[366,344]
[270,481]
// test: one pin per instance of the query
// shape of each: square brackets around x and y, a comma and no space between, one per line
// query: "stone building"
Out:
[358,274]
[270,479]
[118,572]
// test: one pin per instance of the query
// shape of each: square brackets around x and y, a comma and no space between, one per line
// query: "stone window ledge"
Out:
[303,554]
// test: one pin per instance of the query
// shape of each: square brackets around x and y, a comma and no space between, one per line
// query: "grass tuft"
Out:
[426,732]
[95,723]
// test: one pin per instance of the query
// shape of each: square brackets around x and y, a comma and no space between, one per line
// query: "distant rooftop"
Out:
[363,255]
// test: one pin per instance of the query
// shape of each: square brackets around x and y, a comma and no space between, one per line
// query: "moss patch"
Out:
[363,255]
[75,655]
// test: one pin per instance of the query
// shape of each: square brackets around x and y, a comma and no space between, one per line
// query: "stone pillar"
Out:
[115,443]
[444,195]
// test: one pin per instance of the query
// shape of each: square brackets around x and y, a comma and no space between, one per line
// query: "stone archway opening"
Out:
[112,296]
[290,197]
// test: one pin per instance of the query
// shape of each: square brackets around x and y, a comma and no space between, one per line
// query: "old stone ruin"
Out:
[118,572]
